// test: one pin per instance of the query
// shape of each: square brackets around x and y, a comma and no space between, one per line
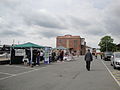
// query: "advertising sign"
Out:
[46,61]
[19,52]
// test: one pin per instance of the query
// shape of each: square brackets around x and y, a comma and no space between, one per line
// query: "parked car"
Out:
[115,60]
[107,56]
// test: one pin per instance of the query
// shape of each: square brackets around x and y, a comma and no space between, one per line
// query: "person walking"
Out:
[88,59]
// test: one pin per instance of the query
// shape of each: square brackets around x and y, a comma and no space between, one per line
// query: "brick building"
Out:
[75,43]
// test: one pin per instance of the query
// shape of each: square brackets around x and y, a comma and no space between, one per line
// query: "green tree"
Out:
[106,44]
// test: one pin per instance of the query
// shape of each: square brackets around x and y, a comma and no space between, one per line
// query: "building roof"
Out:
[27,45]
[68,36]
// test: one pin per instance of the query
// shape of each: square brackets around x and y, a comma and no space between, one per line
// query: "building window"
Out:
[75,43]
[60,41]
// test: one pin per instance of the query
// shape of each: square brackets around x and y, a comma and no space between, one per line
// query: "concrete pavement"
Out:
[59,76]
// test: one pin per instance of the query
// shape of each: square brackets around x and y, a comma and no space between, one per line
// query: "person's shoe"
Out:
[32,66]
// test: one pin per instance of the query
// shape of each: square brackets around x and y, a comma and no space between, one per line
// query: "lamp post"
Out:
[106,46]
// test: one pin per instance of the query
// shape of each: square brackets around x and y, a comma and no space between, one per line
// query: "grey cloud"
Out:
[44,20]
[96,32]
[113,27]
[10,28]
[78,22]
[7,33]
[112,19]
[49,33]
[52,18]
[100,4]
[9,5]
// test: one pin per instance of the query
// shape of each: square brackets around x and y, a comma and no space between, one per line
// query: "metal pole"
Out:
[13,41]
[31,55]
[106,46]
[10,55]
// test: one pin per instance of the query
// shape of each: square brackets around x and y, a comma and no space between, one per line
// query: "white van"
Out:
[115,60]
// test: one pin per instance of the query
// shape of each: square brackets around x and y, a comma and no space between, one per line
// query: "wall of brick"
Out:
[69,42]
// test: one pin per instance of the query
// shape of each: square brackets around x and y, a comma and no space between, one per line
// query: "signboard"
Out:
[19,52]
[46,61]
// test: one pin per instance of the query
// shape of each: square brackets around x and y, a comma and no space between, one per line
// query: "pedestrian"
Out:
[41,56]
[53,56]
[101,55]
[96,55]
[29,58]
[88,59]
[78,53]
[38,59]
[58,55]
[34,57]
[25,60]
[61,55]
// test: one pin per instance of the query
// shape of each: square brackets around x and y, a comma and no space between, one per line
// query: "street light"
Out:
[106,46]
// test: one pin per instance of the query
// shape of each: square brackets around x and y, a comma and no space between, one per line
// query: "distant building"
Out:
[90,48]
[118,47]
[75,43]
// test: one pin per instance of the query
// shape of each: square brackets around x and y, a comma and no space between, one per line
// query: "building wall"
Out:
[83,49]
[69,41]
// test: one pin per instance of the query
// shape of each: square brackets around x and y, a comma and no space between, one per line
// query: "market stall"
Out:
[18,52]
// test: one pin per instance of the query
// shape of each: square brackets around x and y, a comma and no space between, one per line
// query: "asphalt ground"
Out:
[114,72]
[70,75]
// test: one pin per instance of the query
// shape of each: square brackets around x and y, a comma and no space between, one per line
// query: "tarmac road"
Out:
[58,76]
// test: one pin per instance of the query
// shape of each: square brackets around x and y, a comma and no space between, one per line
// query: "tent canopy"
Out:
[28,45]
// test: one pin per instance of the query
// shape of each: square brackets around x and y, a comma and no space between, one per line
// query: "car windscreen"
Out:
[109,53]
[117,55]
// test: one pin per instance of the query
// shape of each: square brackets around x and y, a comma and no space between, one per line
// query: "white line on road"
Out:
[19,66]
[6,77]
[27,72]
[13,75]
[6,73]
[111,73]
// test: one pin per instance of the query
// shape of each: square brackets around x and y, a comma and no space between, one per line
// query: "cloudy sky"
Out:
[40,21]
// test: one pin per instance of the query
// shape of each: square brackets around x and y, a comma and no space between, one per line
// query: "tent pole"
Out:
[10,55]
[31,55]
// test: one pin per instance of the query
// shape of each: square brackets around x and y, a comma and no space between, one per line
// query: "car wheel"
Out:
[111,64]
[114,66]
[104,59]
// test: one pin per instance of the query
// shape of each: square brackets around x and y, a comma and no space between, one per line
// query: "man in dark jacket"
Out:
[88,59]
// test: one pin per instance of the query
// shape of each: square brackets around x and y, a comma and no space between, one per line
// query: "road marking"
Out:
[76,75]
[13,75]
[19,66]
[118,78]
[111,74]
[115,72]
[6,77]
[6,73]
